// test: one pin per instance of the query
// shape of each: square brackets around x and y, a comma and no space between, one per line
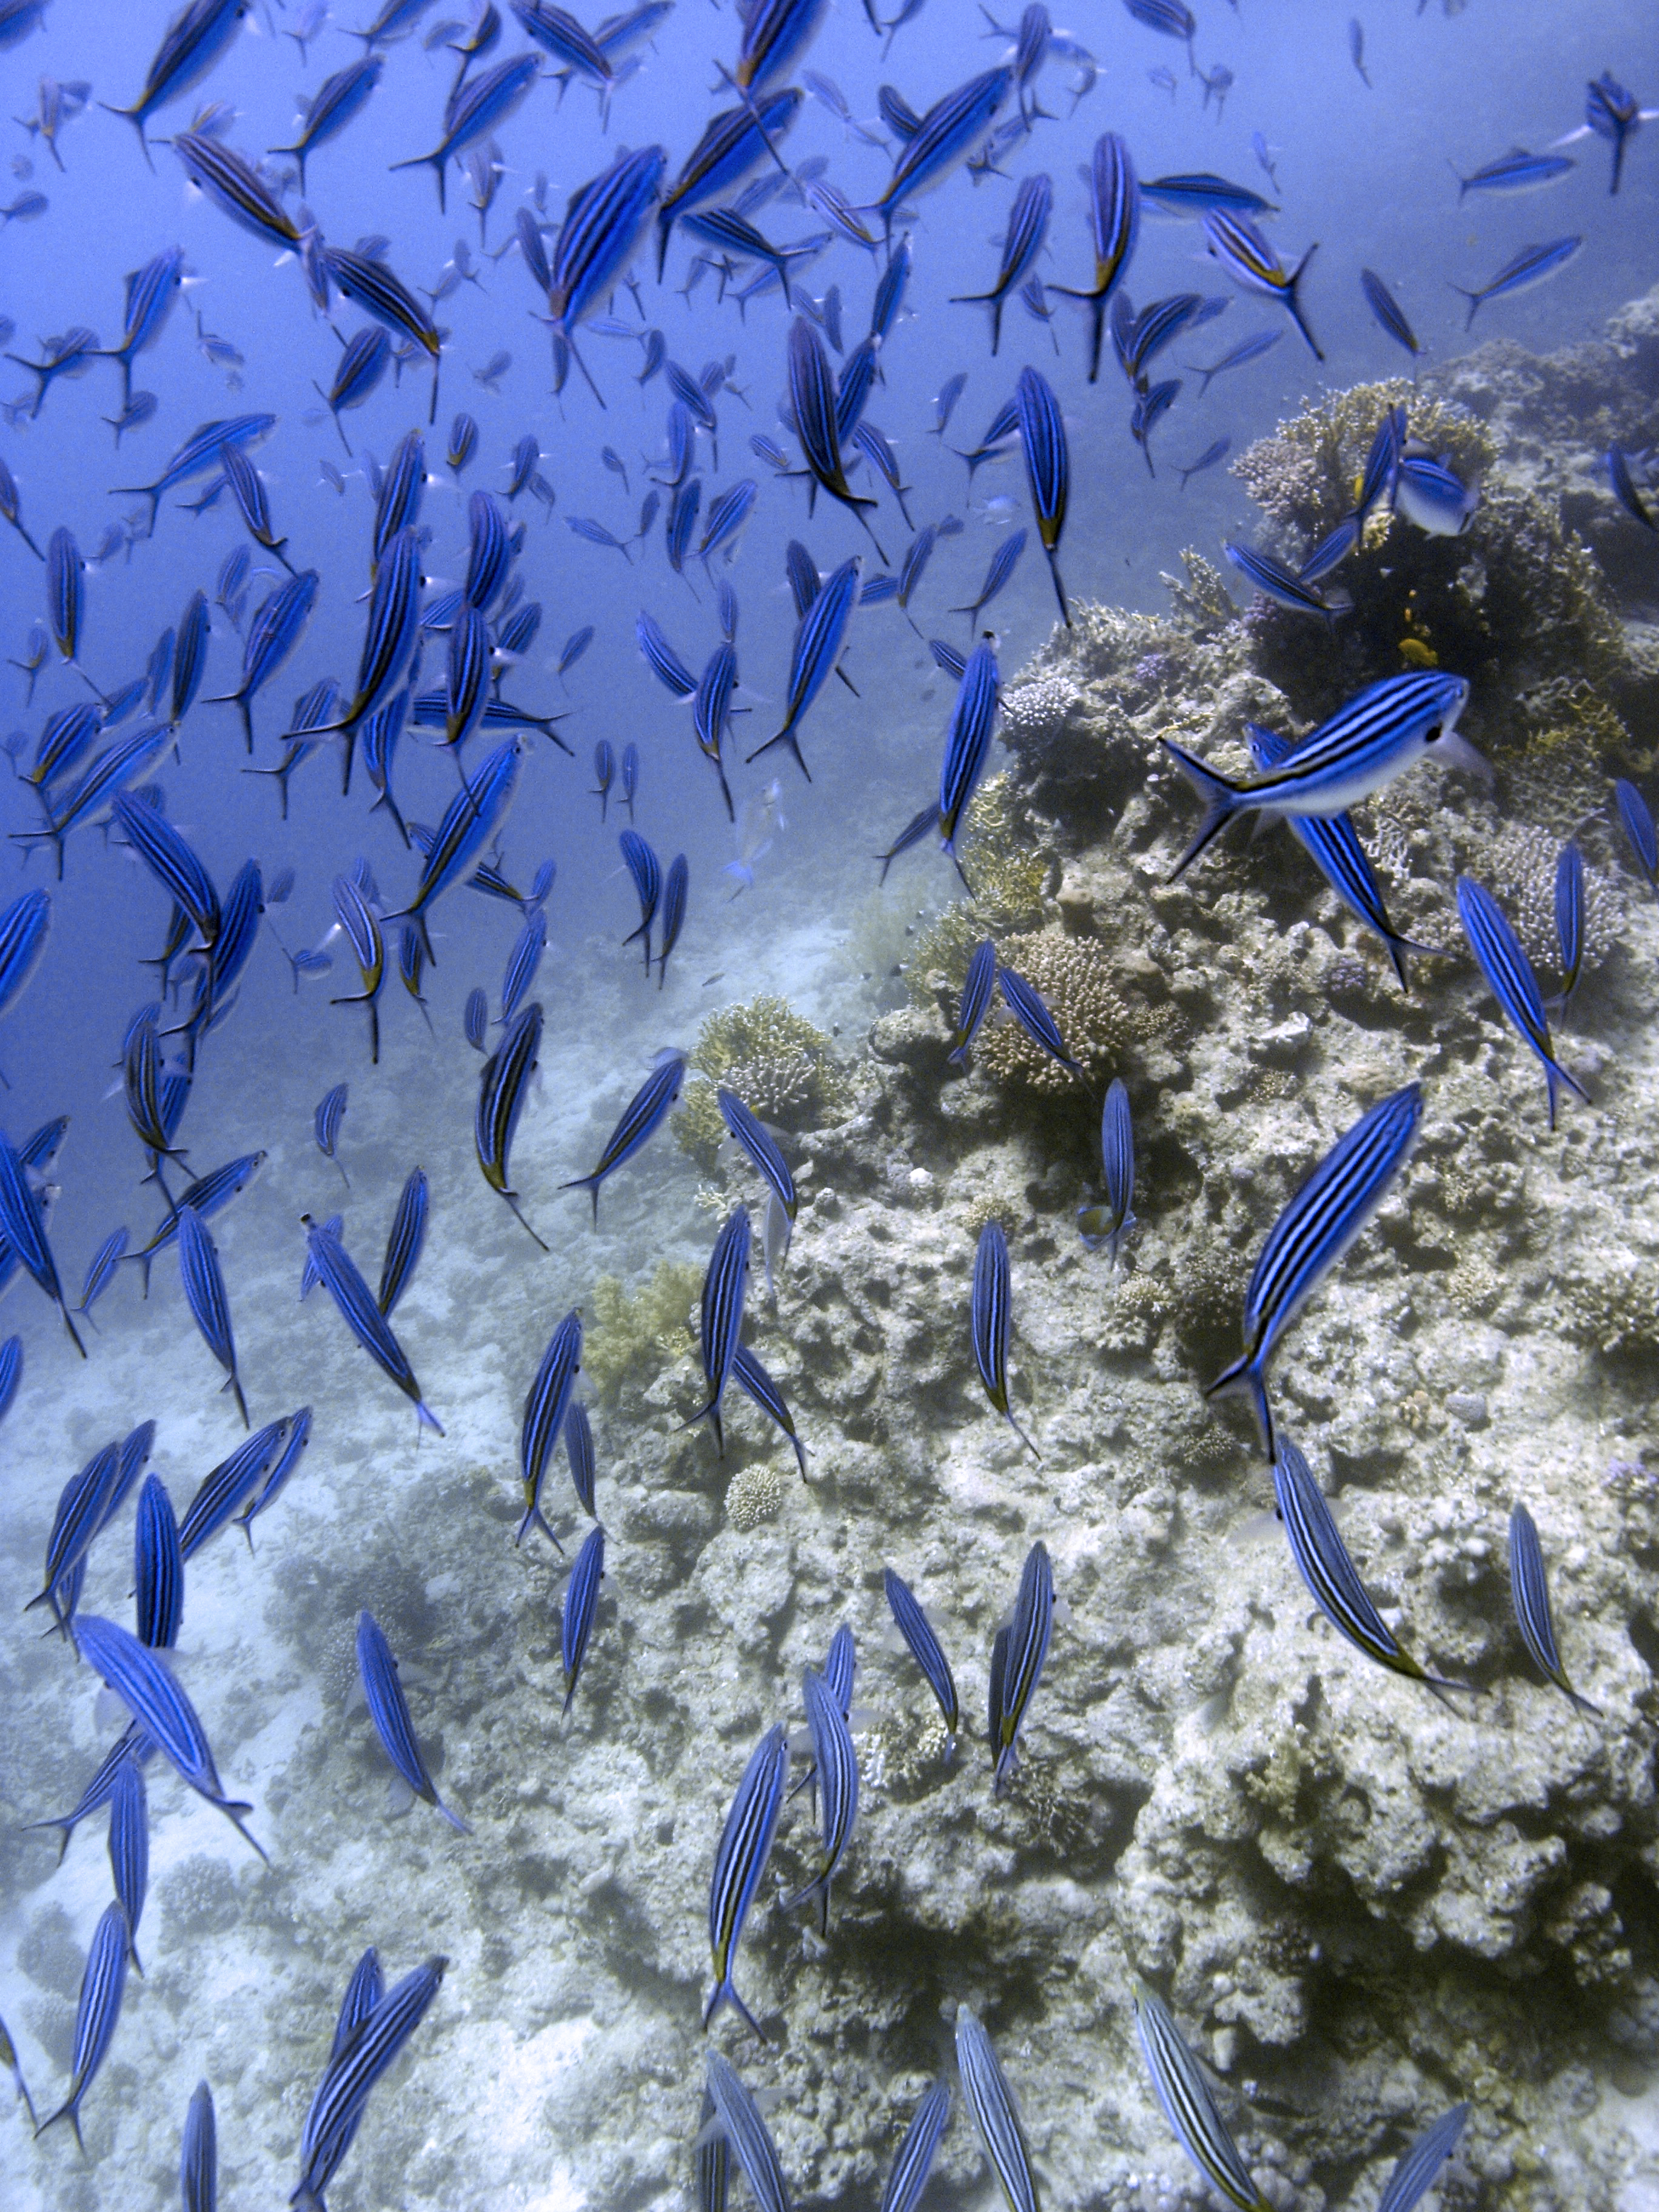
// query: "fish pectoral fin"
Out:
[1454,750]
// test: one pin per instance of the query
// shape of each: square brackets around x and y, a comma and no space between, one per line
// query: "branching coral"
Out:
[1009,876]
[1304,473]
[781,1066]
[634,1338]
[1074,976]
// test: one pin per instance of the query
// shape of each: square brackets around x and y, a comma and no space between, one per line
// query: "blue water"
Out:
[1362,173]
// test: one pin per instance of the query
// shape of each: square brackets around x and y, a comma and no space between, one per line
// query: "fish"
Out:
[205,1294]
[204,1196]
[983,2083]
[1569,919]
[1110,1223]
[745,1844]
[1379,733]
[1431,493]
[384,296]
[812,408]
[737,2119]
[25,925]
[944,136]
[337,2107]
[645,870]
[1001,567]
[475,109]
[1636,818]
[470,820]
[11,1373]
[1317,1226]
[1622,479]
[574,645]
[926,1649]
[1332,842]
[1189,2106]
[977,988]
[129,1846]
[1022,242]
[600,225]
[523,961]
[388,1709]
[545,1411]
[676,887]
[360,924]
[333,1266]
[820,637]
[1247,349]
[725,1283]
[98,2011]
[147,1688]
[1509,971]
[1333,548]
[682,522]
[1048,468]
[1323,1561]
[194,40]
[331,107]
[578,1453]
[1284,586]
[151,293]
[198,2161]
[1420,2162]
[159,1567]
[711,711]
[915,2161]
[1531,265]
[1612,114]
[272,636]
[734,141]
[725,519]
[989,1321]
[362,364]
[293,1450]
[1207,459]
[1517,171]
[227,1487]
[1139,339]
[758,1145]
[237,188]
[581,1602]
[967,741]
[83,1505]
[1025,1003]
[1357,50]
[1530,1595]
[836,1763]
[944,403]
[23,1227]
[501,1090]
[331,1112]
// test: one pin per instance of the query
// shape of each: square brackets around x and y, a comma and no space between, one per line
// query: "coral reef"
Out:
[631,1340]
[781,1067]
[1007,872]
[1074,976]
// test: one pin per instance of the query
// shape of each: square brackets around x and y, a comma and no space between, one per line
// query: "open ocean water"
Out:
[1364,1906]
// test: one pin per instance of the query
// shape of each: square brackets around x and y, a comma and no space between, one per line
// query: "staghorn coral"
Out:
[1074,976]
[1303,474]
[634,1338]
[781,1066]
[1520,872]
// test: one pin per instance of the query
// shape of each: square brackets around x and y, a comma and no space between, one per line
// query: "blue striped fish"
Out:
[473,111]
[819,639]
[1189,2107]
[734,141]
[1331,549]
[1420,2162]
[999,569]
[11,1373]
[192,42]
[1382,731]
[501,1089]
[1283,585]
[229,1485]
[1507,968]
[83,1505]
[752,1377]
[675,888]
[740,1862]
[1530,1596]
[641,1118]
[330,1113]
[1636,818]
[201,452]
[836,1763]
[337,2107]
[980,982]
[1251,262]
[1332,843]
[922,823]
[132,1743]
[102,1986]
[581,1598]
[812,413]
[946,136]
[990,1317]
[711,712]
[159,1567]
[763,1152]
[93,793]
[739,2118]
[63,592]
[926,1649]
[337,1271]
[198,2157]
[292,1451]
[544,1413]
[775,33]
[1026,1004]
[404,1242]
[470,821]
[1323,1561]
[1531,265]
[600,225]
[207,1194]
[665,665]
[858,374]
[467,675]
[331,107]
[1048,468]
[147,1688]
[578,1453]
[490,555]
[523,961]
[713,2151]
[1570,920]
[379,293]
[252,503]
[151,293]
[236,188]
[1388,313]
[725,1286]
[915,2162]
[991,2103]
[1017,1656]
[1022,242]
[205,1294]
[388,1709]
[398,502]
[646,870]
[973,721]
[1311,1235]
[1110,1223]
[129,1846]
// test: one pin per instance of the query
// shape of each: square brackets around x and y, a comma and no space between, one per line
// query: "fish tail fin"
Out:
[1473,298]
[1021,1434]
[70,1325]
[1556,1076]
[454,1819]
[1221,797]
[1294,301]
[236,1811]
[134,117]
[1243,1378]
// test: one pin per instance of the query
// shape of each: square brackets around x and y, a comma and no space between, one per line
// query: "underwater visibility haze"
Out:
[767,1429]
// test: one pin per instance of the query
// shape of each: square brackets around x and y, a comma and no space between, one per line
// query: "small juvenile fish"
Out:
[1507,968]
[925,1649]
[1001,567]
[1323,1561]
[983,2083]
[1311,1235]
[475,1017]
[1530,1592]
[388,1709]
[581,1599]
[740,1862]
